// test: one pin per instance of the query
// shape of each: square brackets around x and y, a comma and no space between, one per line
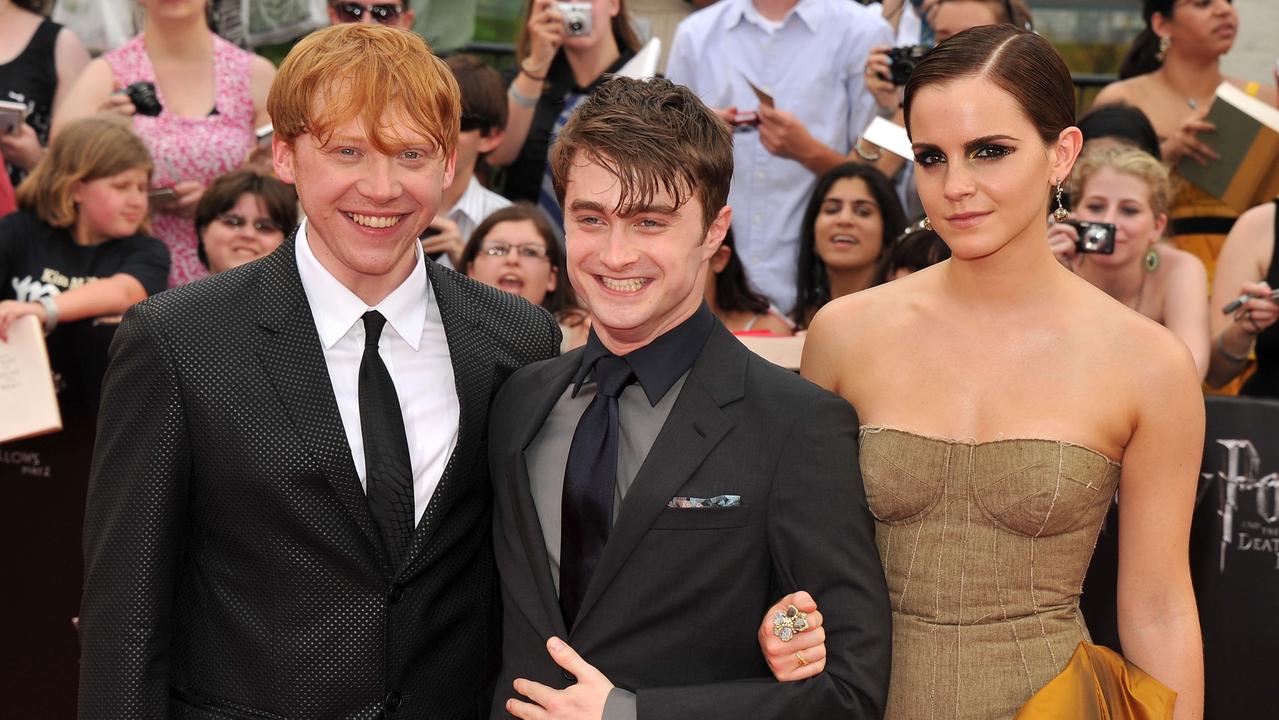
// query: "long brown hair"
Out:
[623,31]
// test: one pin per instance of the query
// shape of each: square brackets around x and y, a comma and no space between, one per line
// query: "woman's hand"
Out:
[1257,314]
[1185,142]
[11,310]
[119,103]
[21,148]
[546,35]
[1061,240]
[805,655]
[189,194]
[878,71]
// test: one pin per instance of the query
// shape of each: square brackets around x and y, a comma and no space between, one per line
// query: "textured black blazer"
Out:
[672,610]
[232,568]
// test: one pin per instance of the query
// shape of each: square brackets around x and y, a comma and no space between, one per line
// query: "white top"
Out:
[416,353]
[475,204]
[813,67]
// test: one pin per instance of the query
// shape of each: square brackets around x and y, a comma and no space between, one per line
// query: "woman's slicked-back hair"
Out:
[1021,63]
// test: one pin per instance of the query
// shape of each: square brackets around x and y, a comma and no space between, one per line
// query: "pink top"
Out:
[185,148]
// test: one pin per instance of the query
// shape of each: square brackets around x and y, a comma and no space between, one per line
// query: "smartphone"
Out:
[12,115]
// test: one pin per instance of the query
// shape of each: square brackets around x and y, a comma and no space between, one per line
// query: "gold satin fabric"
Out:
[1099,684]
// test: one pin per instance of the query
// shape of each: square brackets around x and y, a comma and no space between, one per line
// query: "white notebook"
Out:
[28,399]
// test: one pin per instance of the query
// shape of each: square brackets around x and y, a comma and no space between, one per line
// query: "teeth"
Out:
[374,222]
[632,285]
[844,239]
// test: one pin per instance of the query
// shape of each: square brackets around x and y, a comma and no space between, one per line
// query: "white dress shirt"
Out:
[812,65]
[416,353]
[476,203]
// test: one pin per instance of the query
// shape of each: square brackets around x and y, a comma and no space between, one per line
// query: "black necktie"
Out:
[590,481]
[388,469]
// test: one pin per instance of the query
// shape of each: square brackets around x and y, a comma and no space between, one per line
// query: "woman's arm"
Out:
[70,59]
[90,93]
[1185,312]
[1158,620]
[1244,259]
[546,33]
[261,73]
[108,296]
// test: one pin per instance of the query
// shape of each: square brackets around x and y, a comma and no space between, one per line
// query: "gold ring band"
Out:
[802,660]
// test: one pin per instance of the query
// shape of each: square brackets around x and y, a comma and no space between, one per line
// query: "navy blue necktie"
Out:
[590,482]
[388,470]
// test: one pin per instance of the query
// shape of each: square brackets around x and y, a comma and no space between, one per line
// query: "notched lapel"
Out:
[292,357]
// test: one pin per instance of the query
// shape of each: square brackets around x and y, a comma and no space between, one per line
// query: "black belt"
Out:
[1202,226]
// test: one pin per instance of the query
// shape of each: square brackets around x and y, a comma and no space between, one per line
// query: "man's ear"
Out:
[489,141]
[450,168]
[716,232]
[282,158]
[1063,155]
[407,17]
[720,259]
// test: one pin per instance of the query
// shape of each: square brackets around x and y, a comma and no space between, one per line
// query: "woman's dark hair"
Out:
[1021,63]
[1143,54]
[733,290]
[623,32]
[915,250]
[40,7]
[278,198]
[1124,122]
[558,302]
[812,287]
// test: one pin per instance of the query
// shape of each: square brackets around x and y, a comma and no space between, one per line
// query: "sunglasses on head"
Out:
[474,121]
[382,12]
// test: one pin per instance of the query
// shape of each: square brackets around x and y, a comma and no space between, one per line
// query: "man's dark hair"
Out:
[483,92]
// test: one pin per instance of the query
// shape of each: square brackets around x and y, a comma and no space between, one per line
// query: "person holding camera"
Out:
[564,50]
[1121,212]
[194,98]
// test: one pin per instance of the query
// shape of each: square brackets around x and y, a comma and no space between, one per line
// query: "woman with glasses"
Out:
[243,216]
[195,100]
[515,249]
[391,14]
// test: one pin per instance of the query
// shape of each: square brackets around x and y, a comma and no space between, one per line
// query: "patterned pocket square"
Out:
[719,501]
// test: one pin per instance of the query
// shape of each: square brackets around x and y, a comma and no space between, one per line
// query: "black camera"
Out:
[1094,237]
[902,62]
[142,95]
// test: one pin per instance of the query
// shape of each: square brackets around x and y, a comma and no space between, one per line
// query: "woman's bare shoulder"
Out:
[1131,91]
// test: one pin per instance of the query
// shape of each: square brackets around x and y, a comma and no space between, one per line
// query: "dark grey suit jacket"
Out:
[672,610]
[232,566]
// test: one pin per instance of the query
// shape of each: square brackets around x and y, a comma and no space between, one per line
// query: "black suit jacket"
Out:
[673,607]
[232,566]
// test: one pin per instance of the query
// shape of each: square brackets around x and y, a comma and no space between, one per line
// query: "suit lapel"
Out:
[292,357]
[695,426]
[553,379]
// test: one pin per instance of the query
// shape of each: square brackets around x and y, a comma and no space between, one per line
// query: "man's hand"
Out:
[21,148]
[783,135]
[585,700]
[447,240]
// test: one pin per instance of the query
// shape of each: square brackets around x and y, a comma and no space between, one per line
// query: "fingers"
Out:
[118,103]
[790,669]
[567,658]
[526,711]
[535,691]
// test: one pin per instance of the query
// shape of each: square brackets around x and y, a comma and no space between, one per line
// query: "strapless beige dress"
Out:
[984,547]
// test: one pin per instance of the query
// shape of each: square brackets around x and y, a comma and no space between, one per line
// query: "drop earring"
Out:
[1165,42]
[1151,260]
[927,223]
[1059,214]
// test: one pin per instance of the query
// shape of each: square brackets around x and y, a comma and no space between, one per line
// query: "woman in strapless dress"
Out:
[1005,401]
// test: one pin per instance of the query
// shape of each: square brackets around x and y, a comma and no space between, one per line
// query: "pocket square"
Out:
[719,501]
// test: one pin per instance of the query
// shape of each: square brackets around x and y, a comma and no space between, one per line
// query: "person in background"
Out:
[517,250]
[805,60]
[1177,61]
[391,13]
[1128,188]
[662,17]
[209,95]
[242,216]
[557,70]
[77,249]
[733,300]
[1109,125]
[851,220]
[466,202]
[917,248]
[8,203]
[1248,269]
[38,64]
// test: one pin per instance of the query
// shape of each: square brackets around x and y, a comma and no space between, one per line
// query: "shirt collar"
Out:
[336,309]
[807,10]
[660,363]
[469,204]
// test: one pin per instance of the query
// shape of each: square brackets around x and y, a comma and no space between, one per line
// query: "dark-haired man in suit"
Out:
[657,489]
[289,510]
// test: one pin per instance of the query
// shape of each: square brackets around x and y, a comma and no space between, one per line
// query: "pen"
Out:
[1239,301]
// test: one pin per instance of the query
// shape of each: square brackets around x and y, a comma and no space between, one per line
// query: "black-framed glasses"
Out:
[382,13]
[474,121]
[238,221]
[526,251]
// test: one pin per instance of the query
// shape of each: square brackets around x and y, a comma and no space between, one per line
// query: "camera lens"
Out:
[575,26]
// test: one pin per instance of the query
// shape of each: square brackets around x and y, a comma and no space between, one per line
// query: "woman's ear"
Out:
[554,280]
[77,191]
[1064,153]
[1161,224]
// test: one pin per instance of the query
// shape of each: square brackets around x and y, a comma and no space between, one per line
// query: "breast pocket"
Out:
[700,518]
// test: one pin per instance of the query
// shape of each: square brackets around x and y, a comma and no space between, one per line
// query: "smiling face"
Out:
[849,229]
[983,173]
[641,271]
[517,271]
[243,233]
[365,207]
[1124,201]
[111,207]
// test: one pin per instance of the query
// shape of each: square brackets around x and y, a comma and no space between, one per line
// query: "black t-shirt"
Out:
[38,260]
[32,79]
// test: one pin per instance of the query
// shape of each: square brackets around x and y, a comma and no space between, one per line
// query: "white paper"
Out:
[644,65]
[27,394]
[889,136]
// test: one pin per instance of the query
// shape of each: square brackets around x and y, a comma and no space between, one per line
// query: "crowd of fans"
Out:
[167,137]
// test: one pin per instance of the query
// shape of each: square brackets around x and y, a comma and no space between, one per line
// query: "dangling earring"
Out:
[1165,42]
[927,223]
[1151,259]
[1060,214]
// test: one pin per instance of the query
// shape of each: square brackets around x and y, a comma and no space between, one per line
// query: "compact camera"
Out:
[902,62]
[577,18]
[1094,237]
[142,95]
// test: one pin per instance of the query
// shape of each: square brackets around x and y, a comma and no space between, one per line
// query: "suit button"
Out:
[392,701]
[568,676]
[395,593]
